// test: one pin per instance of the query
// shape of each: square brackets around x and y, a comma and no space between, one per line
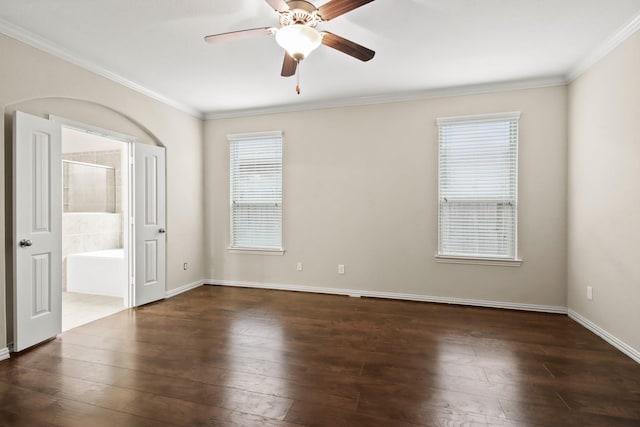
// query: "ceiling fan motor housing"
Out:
[300,12]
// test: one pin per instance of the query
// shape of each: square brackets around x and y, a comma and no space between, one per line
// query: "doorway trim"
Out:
[82,127]
[129,297]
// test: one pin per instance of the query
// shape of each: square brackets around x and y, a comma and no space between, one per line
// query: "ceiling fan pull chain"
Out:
[298,78]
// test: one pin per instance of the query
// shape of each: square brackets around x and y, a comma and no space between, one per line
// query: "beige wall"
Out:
[40,84]
[360,188]
[604,195]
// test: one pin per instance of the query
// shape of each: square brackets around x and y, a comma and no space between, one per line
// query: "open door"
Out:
[149,223]
[37,227]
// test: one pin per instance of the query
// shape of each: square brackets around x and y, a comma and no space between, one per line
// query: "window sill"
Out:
[256,251]
[479,261]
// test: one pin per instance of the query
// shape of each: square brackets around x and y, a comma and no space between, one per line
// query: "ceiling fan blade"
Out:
[336,8]
[347,46]
[288,66]
[279,5]
[237,35]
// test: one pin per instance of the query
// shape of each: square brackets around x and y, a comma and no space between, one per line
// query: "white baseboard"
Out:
[4,353]
[184,288]
[392,295]
[619,344]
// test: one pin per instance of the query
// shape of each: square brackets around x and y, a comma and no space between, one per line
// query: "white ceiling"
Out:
[421,46]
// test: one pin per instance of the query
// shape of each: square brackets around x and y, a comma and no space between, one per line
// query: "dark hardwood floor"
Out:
[245,357]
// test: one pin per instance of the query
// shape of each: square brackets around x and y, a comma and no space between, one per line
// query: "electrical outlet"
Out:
[590,293]
[340,268]
[184,266]
[299,266]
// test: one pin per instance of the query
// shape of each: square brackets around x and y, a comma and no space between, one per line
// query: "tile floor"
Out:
[78,309]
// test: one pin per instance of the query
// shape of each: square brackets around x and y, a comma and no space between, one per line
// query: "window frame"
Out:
[248,137]
[478,259]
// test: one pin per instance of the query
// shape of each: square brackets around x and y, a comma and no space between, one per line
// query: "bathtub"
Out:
[98,273]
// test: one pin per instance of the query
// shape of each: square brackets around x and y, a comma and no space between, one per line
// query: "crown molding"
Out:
[33,40]
[394,97]
[604,48]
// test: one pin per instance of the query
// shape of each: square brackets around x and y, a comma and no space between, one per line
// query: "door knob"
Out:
[162,230]
[25,243]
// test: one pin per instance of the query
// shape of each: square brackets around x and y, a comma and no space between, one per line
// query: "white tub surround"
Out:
[98,273]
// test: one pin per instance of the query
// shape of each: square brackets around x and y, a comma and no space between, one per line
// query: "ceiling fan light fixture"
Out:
[298,40]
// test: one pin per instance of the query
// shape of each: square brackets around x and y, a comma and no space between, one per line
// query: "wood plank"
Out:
[250,357]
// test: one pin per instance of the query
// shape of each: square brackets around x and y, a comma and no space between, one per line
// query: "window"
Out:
[478,186]
[256,191]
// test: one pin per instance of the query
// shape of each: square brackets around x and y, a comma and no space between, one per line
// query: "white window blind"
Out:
[256,190]
[478,185]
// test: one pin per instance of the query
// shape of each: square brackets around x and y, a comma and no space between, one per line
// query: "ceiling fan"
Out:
[298,35]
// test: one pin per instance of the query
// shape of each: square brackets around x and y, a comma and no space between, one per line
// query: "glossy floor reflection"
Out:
[245,357]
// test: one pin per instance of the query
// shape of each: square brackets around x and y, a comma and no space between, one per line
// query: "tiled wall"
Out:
[88,232]
[92,231]
[88,188]
[73,200]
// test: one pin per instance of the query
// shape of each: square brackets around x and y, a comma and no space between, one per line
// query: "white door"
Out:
[149,223]
[37,228]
